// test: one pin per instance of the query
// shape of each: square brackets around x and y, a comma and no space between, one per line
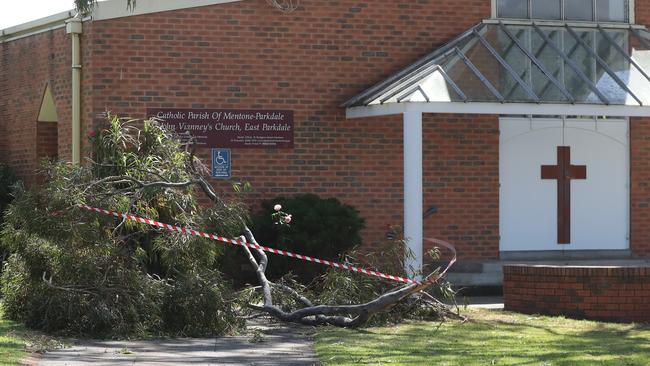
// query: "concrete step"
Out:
[475,279]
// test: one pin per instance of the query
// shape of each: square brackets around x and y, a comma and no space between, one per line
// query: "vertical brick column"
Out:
[640,186]
[461,180]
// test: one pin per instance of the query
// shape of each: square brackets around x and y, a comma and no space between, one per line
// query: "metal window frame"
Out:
[604,65]
[628,10]
[426,70]
[572,65]
[641,39]
[410,92]
[537,63]
[622,52]
[415,79]
[555,74]
[530,11]
[400,89]
[561,69]
[593,12]
[453,85]
[368,95]
[480,75]
[507,66]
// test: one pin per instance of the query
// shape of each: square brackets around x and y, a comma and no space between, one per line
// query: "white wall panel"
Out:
[599,204]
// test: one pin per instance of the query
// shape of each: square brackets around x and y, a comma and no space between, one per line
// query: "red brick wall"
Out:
[461,180]
[28,65]
[248,55]
[642,12]
[640,186]
[47,140]
[611,294]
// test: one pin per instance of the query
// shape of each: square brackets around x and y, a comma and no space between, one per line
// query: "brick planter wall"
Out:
[600,293]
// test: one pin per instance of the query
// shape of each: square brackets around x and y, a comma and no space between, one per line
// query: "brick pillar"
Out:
[640,186]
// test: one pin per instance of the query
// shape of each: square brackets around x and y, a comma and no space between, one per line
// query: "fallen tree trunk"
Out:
[338,315]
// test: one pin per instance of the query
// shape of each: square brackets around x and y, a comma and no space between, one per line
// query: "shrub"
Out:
[322,228]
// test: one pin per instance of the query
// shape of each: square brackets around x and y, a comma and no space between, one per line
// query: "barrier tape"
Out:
[188,231]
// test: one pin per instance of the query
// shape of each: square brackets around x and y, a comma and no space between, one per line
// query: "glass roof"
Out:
[527,63]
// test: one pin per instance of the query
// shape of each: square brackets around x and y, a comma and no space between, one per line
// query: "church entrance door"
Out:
[564,184]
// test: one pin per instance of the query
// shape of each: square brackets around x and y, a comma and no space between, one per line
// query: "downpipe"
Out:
[74,27]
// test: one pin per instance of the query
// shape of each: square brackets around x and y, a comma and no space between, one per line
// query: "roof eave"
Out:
[112,9]
[46,23]
[109,9]
[499,108]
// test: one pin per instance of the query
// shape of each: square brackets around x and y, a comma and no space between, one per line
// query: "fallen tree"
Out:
[138,168]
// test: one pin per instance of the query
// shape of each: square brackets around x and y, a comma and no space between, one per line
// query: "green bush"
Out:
[7,182]
[322,228]
[76,272]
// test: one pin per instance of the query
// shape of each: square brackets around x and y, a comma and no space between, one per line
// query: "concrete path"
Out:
[483,302]
[266,344]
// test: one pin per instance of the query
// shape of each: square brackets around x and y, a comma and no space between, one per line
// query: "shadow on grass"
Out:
[12,348]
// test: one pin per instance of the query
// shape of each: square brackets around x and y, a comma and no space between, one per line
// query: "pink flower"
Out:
[92,134]
[277,207]
[287,219]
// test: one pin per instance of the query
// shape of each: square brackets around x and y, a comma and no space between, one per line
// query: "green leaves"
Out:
[108,277]
[86,6]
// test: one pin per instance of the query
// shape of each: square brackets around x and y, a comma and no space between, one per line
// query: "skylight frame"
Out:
[418,82]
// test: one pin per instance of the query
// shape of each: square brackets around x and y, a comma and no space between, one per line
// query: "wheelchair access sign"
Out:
[221,163]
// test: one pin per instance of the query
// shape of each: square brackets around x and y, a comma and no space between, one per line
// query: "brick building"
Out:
[441,109]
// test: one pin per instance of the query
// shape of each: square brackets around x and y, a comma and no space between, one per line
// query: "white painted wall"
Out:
[599,204]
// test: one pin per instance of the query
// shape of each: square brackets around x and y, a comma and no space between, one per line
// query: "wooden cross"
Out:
[564,172]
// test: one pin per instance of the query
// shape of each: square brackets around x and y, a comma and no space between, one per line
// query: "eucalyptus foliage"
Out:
[336,286]
[77,272]
[85,6]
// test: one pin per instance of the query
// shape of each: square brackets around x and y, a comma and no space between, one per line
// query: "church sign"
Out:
[229,128]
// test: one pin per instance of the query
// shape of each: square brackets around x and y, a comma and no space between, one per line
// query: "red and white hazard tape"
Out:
[188,231]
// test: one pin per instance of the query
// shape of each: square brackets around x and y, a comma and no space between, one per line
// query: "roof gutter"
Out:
[109,9]
[52,22]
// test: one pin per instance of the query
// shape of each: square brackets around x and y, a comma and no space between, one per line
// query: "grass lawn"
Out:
[12,342]
[490,337]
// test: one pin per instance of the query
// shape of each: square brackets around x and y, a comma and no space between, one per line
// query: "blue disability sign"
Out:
[221,164]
